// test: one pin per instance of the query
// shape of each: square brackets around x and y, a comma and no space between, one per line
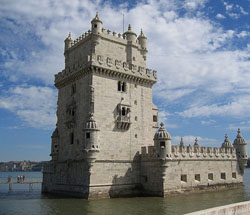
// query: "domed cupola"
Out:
[96,25]
[91,137]
[226,143]
[239,139]
[162,142]
[68,41]
[142,40]
[241,151]
[130,35]
[162,133]
[91,123]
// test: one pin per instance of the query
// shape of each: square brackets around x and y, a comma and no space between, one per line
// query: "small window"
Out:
[135,85]
[155,118]
[135,135]
[135,118]
[184,178]
[135,102]
[162,144]
[123,111]
[123,87]
[133,58]
[71,138]
[210,176]
[119,86]
[87,135]
[95,25]
[234,175]
[197,177]
[223,175]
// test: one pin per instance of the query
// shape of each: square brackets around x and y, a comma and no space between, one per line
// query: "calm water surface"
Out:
[21,201]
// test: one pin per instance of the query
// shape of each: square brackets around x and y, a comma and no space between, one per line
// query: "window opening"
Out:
[210,176]
[162,144]
[234,175]
[123,111]
[197,177]
[223,175]
[184,178]
[88,135]
[155,118]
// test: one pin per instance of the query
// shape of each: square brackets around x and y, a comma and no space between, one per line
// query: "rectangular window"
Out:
[184,178]
[210,176]
[234,175]
[155,118]
[162,144]
[197,177]
[71,138]
[88,135]
[223,175]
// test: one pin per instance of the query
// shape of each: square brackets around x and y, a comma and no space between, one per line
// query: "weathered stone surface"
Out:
[105,143]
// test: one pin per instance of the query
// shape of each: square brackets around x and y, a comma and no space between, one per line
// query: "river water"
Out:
[21,201]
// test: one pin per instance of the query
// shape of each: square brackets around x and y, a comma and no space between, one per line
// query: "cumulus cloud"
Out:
[203,141]
[220,16]
[197,62]
[34,105]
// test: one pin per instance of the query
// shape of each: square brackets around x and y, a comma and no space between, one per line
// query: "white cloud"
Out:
[208,122]
[191,53]
[34,105]
[220,16]
[237,108]
[189,140]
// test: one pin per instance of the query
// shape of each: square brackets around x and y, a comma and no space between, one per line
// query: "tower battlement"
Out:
[107,142]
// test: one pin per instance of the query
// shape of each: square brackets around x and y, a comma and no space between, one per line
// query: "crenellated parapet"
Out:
[106,66]
[127,60]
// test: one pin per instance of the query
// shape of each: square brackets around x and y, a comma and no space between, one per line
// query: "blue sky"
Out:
[200,48]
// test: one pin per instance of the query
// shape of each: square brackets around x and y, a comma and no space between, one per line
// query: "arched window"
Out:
[123,111]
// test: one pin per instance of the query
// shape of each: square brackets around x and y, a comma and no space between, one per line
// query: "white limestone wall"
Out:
[82,104]
[117,144]
[190,168]
[242,208]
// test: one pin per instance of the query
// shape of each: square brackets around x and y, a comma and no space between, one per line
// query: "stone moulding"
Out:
[61,82]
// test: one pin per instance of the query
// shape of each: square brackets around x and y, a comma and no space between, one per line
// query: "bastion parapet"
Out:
[107,142]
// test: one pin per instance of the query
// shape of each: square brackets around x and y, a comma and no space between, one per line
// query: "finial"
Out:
[69,34]
[129,27]
[181,142]
[162,124]
[91,116]
[238,130]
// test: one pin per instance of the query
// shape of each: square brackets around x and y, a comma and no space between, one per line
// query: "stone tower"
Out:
[105,114]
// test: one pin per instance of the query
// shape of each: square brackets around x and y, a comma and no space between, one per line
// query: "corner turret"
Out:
[91,143]
[241,151]
[142,40]
[130,35]
[162,142]
[226,143]
[96,25]
[67,42]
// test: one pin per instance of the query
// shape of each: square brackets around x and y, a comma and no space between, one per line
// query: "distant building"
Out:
[107,142]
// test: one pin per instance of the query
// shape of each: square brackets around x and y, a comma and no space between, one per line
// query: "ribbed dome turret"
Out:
[227,143]
[239,139]
[162,133]
[130,35]
[96,19]
[91,123]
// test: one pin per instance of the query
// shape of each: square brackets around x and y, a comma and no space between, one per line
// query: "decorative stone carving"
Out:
[109,62]
[100,59]
[118,64]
